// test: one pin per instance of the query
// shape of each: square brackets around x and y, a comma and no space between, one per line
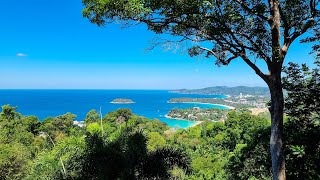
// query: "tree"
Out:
[127,157]
[32,124]
[59,127]
[13,160]
[155,141]
[236,29]
[92,116]
[302,132]
[123,115]
[303,88]
[8,113]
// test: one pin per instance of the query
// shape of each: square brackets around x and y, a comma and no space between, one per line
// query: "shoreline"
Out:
[195,124]
[228,96]
[229,107]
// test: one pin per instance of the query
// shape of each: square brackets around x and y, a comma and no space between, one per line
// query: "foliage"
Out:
[197,114]
[60,162]
[58,127]
[155,141]
[302,133]
[302,154]
[211,144]
[15,143]
[233,28]
[93,158]
[56,149]
[14,158]
[303,87]
[92,116]
[249,30]
[139,148]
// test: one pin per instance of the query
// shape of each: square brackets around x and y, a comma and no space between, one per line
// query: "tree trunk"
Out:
[276,142]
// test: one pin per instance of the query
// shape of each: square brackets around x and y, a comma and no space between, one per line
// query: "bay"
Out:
[148,103]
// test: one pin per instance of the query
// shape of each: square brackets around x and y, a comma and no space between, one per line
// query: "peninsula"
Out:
[197,114]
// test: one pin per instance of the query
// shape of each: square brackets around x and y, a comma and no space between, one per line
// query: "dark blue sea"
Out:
[149,103]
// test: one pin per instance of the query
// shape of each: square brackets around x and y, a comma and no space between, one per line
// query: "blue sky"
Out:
[49,45]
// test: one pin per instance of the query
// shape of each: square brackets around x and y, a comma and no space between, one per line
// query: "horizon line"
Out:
[126,88]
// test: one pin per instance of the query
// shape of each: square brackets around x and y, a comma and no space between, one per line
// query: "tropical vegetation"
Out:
[122,145]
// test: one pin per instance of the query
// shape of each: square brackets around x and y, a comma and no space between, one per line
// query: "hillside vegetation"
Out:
[123,145]
[233,91]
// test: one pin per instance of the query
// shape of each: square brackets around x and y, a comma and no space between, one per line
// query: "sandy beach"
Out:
[195,124]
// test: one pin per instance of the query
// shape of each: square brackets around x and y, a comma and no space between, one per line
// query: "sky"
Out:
[49,45]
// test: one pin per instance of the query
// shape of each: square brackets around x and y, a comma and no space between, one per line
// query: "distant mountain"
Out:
[233,91]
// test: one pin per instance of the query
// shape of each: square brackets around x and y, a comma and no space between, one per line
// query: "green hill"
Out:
[233,91]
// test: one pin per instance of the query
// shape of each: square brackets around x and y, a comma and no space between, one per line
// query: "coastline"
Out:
[195,124]
[229,107]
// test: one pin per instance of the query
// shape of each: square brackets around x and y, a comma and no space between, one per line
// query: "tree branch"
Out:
[255,68]
[251,11]
[209,50]
[224,62]
[286,26]
[305,28]
[256,48]
[295,35]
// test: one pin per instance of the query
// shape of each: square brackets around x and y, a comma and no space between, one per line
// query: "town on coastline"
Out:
[251,99]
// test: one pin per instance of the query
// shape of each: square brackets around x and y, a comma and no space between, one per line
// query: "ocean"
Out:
[148,103]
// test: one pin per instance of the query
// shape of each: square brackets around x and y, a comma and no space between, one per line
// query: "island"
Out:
[122,101]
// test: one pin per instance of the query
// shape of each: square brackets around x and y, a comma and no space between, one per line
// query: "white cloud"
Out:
[21,55]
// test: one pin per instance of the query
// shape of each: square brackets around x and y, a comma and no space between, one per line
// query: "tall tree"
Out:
[302,132]
[235,29]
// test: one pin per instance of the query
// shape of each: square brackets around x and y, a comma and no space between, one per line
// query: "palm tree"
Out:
[127,158]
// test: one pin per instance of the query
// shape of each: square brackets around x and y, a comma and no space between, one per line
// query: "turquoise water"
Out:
[149,103]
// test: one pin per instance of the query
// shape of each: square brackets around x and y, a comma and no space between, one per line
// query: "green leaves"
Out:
[62,161]
[301,132]
[105,11]
[92,116]
[303,88]
[155,141]
[297,150]
[14,158]
[8,113]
